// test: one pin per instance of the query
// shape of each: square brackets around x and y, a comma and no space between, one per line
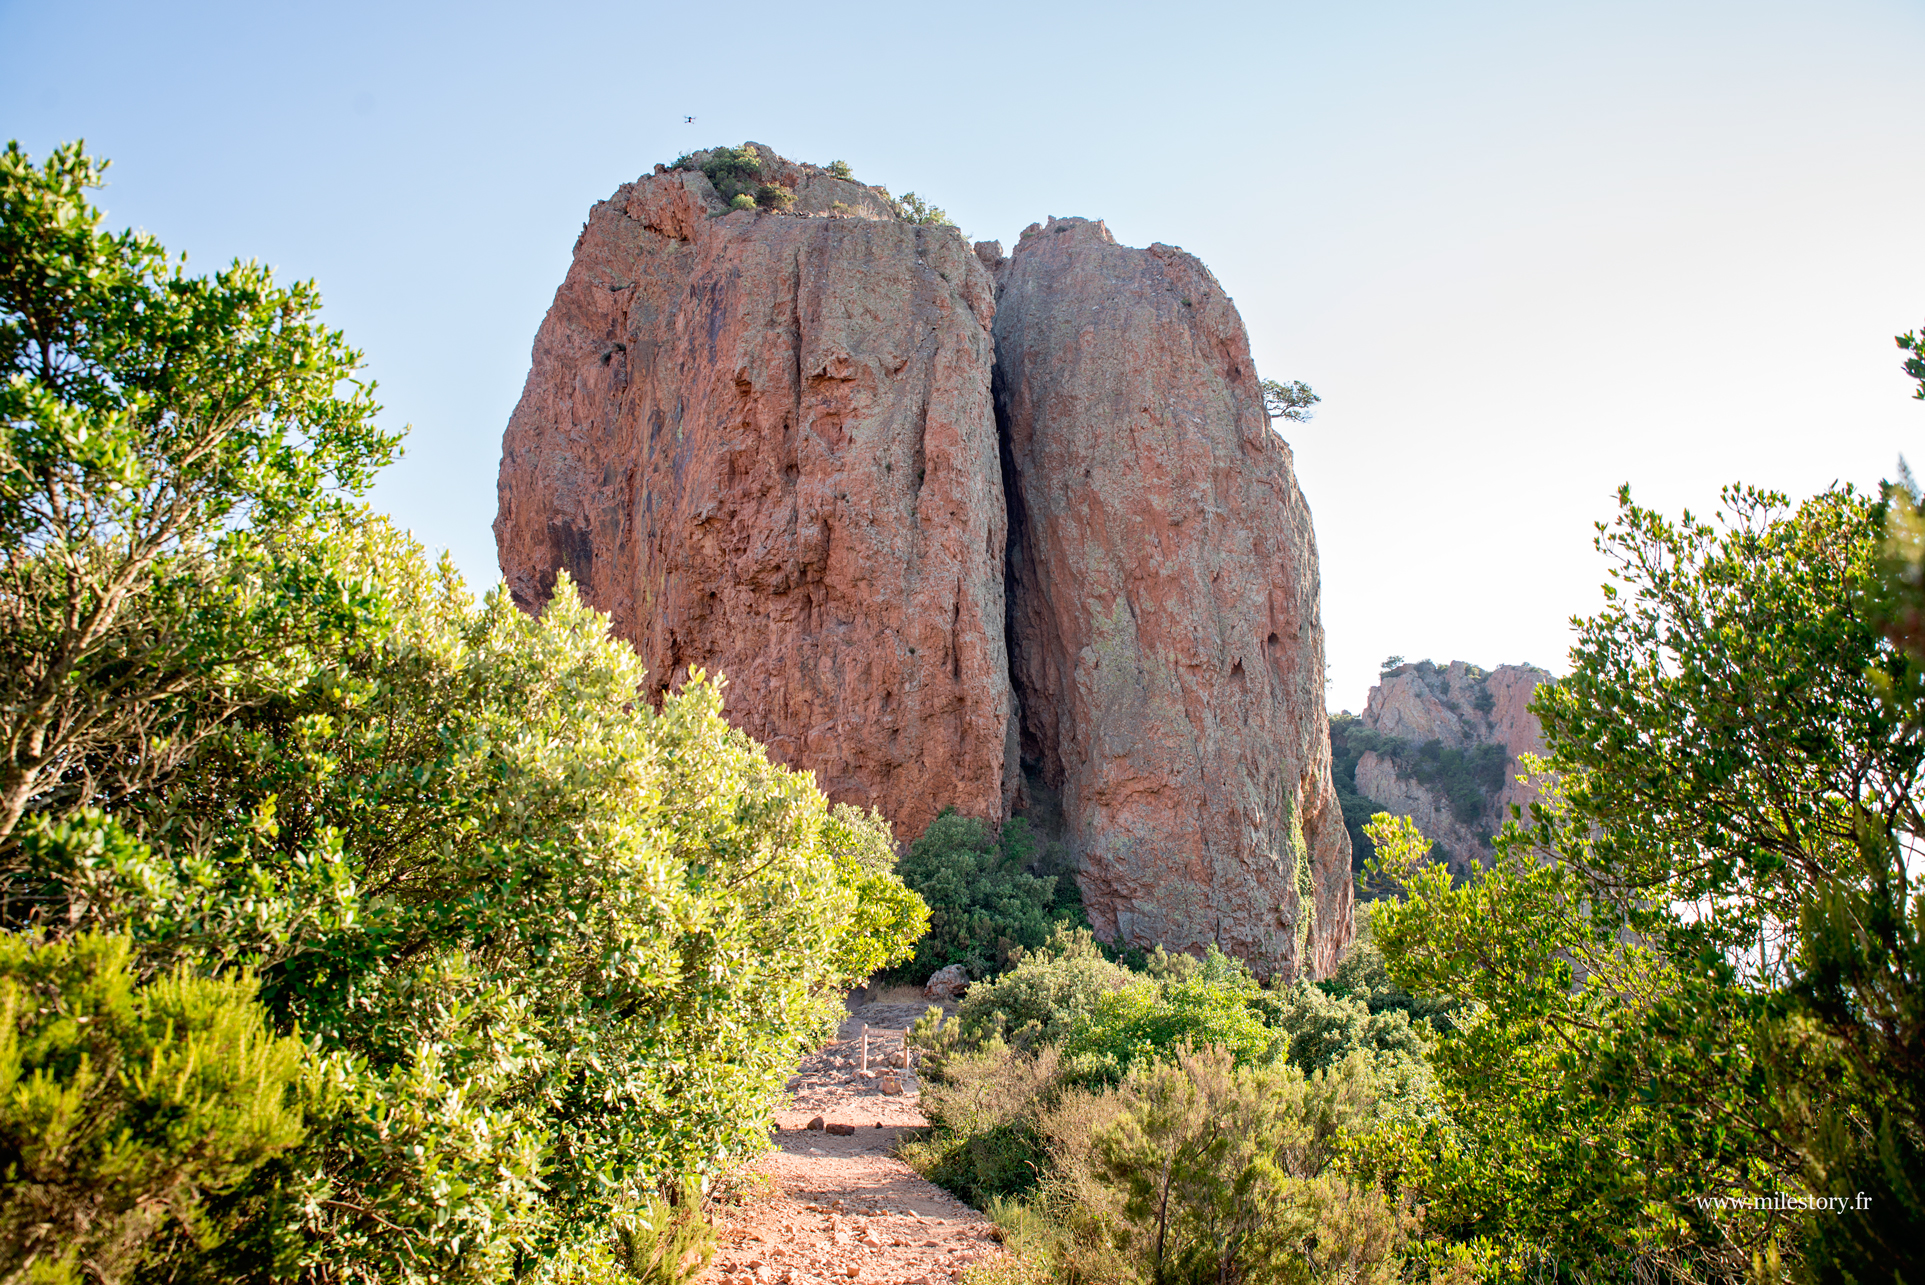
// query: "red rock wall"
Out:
[1461,707]
[765,445]
[1165,637]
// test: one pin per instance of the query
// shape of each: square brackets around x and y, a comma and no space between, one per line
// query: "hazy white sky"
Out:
[1524,251]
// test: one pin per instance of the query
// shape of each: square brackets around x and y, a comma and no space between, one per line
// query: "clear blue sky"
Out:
[1525,251]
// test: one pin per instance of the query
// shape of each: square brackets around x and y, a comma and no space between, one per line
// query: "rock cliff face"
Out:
[1442,732]
[767,445]
[1165,640]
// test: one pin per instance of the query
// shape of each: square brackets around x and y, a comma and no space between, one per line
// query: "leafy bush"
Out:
[911,208]
[841,170]
[123,1102]
[1223,1174]
[1044,997]
[1362,975]
[983,904]
[733,171]
[1190,1169]
[985,1108]
[774,196]
[1693,974]
[1146,1021]
[550,951]
[742,202]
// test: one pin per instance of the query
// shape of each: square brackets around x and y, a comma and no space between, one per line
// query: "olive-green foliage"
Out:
[1223,1174]
[1700,958]
[774,196]
[160,436]
[1292,401]
[1148,1020]
[122,1102]
[1077,1025]
[983,903]
[1361,975]
[549,950]
[911,208]
[841,170]
[567,947]
[1190,1169]
[742,201]
[660,1243]
[986,1107]
[733,171]
[1042,999]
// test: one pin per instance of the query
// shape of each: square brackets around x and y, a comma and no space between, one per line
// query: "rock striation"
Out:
[1165,639]
[1011,534]
[1442,727]
[764,444]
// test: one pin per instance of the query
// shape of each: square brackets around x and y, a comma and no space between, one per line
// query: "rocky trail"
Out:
[833,1204]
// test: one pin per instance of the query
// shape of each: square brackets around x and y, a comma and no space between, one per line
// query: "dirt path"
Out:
[839,1207]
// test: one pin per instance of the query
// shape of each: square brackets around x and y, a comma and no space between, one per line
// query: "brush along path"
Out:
[840,1207]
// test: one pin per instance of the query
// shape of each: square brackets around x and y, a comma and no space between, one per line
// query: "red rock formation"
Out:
[765,445]
[1461,707]
[1165,637]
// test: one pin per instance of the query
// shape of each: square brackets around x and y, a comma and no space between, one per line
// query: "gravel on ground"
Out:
[829,1208]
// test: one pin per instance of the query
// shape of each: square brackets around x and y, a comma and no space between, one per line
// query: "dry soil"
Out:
[838,1208]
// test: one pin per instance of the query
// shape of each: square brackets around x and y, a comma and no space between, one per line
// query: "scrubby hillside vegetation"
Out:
[1674,1031]
[355,930]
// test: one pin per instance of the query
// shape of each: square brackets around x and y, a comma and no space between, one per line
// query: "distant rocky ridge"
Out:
[1009,533]
[1442,746]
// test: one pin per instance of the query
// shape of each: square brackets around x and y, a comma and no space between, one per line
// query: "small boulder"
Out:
[842,1130]
[948,984]
[815,1123]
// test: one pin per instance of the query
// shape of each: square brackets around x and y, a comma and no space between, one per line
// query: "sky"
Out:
[1525,252]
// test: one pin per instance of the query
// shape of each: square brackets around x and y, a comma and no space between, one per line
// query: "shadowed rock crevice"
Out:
[1165,645]
[1005,533]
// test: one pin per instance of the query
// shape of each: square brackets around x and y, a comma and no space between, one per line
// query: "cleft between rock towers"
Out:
[1011,534]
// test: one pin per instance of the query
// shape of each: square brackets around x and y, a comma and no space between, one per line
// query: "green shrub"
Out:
[983,903]
[911,208]
[658,1244]
[546,947]
[774,196]
[1222,1173]
[742,202]
[123,1102]
[733,171]
[985,1110]
[1361,975]
[841,170]
[1044,997]
[593,940]
[1145,1021]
